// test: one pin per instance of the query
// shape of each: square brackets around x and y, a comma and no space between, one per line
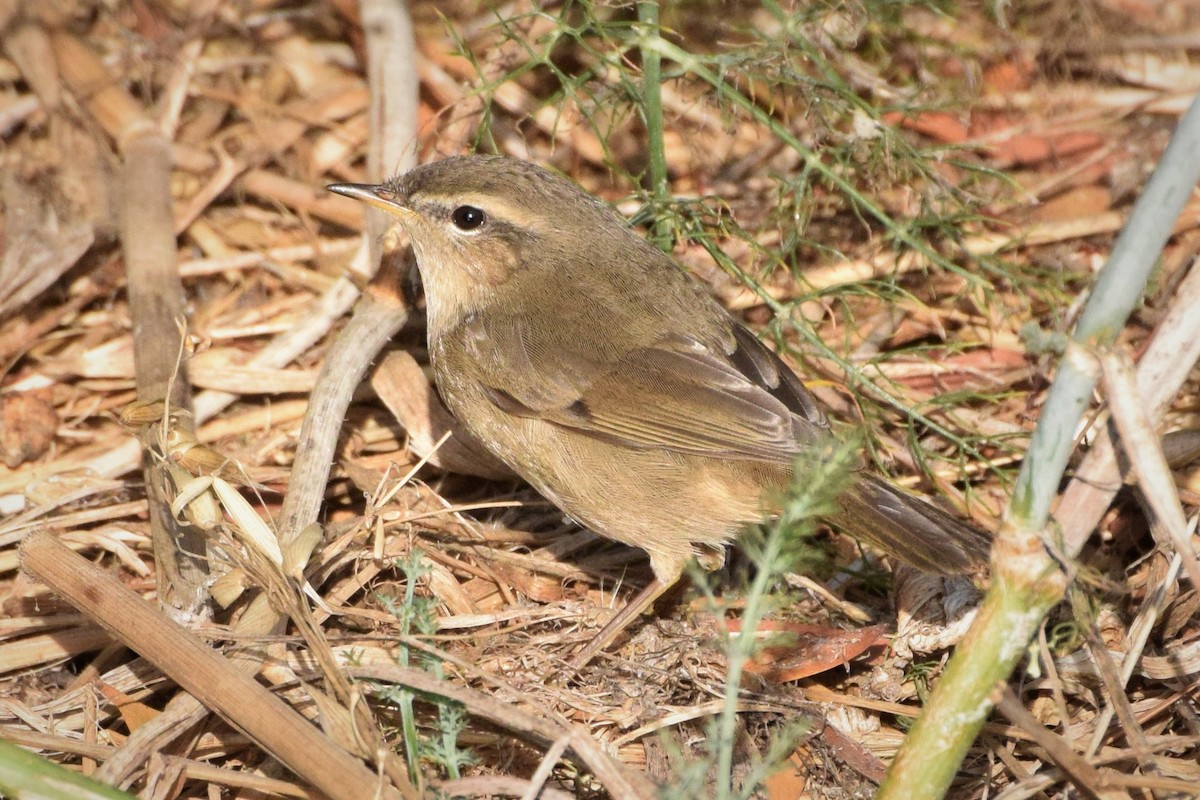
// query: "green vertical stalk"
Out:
[652,111]
[740,652]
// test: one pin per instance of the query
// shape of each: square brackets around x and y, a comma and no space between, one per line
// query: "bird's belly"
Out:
[665,502]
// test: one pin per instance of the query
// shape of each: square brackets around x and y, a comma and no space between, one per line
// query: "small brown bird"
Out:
[595,367]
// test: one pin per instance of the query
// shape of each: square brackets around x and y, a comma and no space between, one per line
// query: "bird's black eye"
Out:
[467,218]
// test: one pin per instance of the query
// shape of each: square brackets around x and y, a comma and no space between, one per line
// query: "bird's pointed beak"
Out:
[378,196]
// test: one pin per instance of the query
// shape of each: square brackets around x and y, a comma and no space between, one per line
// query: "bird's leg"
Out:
[626,615]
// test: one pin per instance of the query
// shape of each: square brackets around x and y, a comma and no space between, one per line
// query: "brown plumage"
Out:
[597,369]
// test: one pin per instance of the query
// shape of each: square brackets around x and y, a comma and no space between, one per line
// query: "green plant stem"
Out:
[1026,582]
[1025,586]
[408,714]
[25,774]
[449,733]
[1118,290]
[752,614]
[652,110]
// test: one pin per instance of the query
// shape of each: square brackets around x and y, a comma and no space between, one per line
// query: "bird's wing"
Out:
[738,400]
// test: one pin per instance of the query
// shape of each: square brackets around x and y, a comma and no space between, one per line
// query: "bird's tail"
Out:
[909,528]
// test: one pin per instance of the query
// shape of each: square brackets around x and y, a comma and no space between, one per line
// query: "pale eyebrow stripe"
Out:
[512,213]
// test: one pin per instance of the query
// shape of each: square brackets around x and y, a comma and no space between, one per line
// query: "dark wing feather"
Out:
[763,367]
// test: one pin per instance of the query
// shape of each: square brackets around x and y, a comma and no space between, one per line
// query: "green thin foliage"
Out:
[415,616]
